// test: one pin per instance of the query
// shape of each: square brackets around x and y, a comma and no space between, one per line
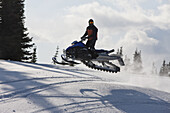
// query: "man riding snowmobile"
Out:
[88,55]
[91,35]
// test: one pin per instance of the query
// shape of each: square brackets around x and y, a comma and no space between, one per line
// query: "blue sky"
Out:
[142,24]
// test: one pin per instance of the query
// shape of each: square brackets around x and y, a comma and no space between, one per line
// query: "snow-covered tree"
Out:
[55,55]
[120,51]
[154,69]
[127,63]
[34,56]
[137,61]
[165,69]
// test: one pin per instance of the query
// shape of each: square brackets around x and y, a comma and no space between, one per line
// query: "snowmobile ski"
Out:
[66,60]
[55,61]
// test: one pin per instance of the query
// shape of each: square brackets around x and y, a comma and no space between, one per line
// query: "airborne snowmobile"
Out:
[100,59]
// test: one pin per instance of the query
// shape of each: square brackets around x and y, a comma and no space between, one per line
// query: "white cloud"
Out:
[107,16]
[123,22]
[109,20]
[135,37]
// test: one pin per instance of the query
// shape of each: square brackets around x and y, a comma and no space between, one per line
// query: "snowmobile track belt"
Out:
[93,66]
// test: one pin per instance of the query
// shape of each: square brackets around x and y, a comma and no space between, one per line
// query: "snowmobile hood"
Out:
[78,44]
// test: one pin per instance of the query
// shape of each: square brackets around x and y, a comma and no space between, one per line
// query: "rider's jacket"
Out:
[91,32]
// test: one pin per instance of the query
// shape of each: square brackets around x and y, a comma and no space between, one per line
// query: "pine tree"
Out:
[165,69]
[14,40]
[127,60]
[120,51]
[56,53]
[137,61]
[164,63]
[154,69]
[137,57]
[1,39]
[34,56]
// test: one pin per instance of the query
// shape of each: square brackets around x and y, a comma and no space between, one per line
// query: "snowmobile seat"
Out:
[101,51]
[105,51]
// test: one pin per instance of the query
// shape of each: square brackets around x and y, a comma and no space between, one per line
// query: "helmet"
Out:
[91,21]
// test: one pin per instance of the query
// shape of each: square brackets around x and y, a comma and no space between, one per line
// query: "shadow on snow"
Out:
[124,100]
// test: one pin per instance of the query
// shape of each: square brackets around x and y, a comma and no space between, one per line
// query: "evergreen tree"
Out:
[127,60]
[14,40]
[34,56]
[56,53]
[137,57]
[137,61]
[165,69]
[154,69]
[1,48]
[120,51]
[164,63]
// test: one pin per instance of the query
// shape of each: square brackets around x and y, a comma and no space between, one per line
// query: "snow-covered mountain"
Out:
[46,88]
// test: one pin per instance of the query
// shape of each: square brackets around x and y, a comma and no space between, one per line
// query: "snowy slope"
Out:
[45,88]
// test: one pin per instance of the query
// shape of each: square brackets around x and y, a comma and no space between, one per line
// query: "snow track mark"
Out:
[30,90]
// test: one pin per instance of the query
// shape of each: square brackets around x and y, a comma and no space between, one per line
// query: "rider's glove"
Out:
[83,38]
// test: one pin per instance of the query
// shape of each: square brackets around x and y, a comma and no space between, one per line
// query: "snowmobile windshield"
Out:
[73,43]
[78,44]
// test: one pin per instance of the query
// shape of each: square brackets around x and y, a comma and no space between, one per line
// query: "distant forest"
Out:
[15,44]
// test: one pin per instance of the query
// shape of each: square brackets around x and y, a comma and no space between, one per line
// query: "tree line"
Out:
[15,44]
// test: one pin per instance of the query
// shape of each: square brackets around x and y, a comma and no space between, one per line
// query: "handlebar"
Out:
[83,38]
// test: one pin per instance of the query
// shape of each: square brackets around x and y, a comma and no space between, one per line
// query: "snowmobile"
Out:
[95,59]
